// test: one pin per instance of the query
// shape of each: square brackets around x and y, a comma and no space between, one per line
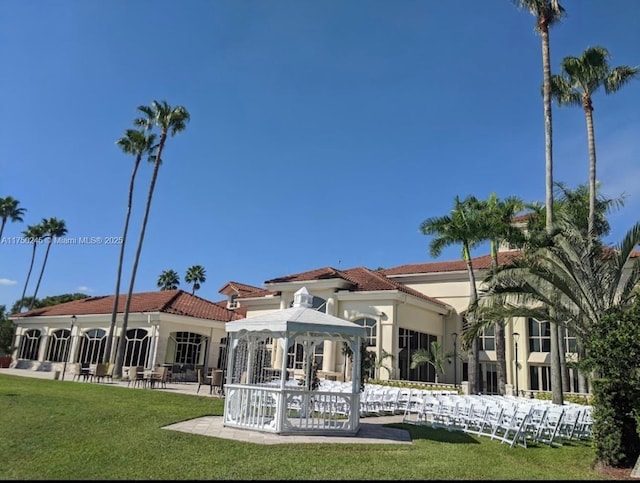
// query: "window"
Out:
[570,341]
[489,372]
[223,354]
[189,348]
[408,342]
[371,326]
[295,355]
[539,336]
[92,345]
[30,345]
[59,346]
[540,378]
[137,347]
[487,339]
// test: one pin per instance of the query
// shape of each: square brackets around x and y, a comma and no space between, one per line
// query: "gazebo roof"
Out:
[299,318]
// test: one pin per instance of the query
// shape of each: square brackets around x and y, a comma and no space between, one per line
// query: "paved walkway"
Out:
[372,429]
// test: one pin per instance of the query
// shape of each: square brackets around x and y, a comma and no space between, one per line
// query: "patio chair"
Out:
[216,381]
[82,370]
[100,372]
[109,374]
[159,376]
[136,376]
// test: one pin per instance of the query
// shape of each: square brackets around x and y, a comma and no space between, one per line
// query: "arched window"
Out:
[189,348]
[372,330]
[92,346]
[30,345]
[295,355]
[59,346]
[137,348]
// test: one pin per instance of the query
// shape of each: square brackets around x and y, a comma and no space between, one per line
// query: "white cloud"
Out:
[83,288]
[6,281]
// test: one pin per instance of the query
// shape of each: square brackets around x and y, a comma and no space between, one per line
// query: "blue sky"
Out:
[322,133]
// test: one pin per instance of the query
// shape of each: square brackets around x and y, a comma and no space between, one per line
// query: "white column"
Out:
[74,344]
[44,339]
[329,352]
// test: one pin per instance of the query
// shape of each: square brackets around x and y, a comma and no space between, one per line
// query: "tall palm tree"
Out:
[10,211]
[139,144]
[53,228]
[168,280]
[581,78]
[196,275]
[170,121]
[461,227]
[35,233]
[548,13]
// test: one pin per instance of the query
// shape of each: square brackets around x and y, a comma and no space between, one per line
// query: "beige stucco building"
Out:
[403,309]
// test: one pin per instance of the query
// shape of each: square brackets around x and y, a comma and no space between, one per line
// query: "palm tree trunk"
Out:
[474,354]
[548,143]
[583,383]
[114,312]
[4,222]
[501,357]
[26,282]
[44,263]
[588,109]
[566,379]
[117,370]
[556,376]
[556,368]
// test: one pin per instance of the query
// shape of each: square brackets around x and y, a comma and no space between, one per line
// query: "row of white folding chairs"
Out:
[380,399]
[511,420]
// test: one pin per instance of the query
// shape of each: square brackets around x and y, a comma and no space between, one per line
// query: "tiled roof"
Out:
[375,280]
[479,263]
[244,290]
[176,302]
[317,274]
[363,279]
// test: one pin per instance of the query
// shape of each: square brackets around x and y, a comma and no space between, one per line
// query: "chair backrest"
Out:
[133,373]
[216,378]
[160,373]
[101,370]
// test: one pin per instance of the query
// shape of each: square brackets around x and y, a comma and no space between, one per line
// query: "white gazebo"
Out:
[260,393]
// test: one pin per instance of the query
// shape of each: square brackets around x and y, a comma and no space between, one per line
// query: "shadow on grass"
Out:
[440,435]
[459,437]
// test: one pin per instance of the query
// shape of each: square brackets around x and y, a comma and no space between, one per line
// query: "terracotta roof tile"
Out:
[168,301]
[242,289]
[363,279]
[479,263]
[317,274]
[375,280]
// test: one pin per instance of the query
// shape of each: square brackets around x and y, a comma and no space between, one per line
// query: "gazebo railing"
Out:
[290,410]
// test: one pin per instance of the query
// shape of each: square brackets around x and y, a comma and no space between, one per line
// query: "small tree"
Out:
[6,332]
[433,357]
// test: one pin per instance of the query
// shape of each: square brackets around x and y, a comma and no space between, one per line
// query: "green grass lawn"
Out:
[65,430]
